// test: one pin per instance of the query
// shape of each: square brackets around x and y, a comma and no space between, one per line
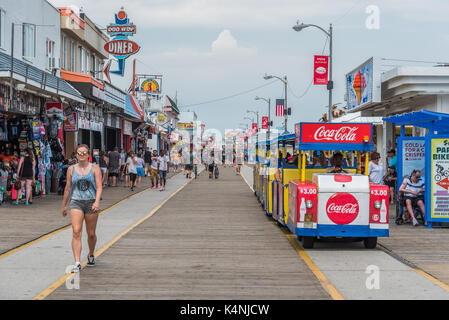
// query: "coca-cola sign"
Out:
[342,208]
[335,133]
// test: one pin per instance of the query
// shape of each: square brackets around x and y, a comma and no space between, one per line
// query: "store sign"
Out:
[186,126]
[71,122]
[413,157]
[90,125]
[120,46]
[335,133]
[54,108]
[97,93]
[127,128]
[363,85]
[150,85]
[440,178]
[320,70]
[161,118]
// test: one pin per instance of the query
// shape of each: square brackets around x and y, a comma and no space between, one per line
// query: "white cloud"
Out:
[224,46]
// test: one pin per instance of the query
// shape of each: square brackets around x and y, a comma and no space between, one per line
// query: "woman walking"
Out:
[84,188]
[140,169]
[26,175]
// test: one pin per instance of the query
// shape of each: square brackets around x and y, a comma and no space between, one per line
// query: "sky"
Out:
[212,49]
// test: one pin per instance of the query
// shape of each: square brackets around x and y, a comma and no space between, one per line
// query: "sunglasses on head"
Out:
[85,153]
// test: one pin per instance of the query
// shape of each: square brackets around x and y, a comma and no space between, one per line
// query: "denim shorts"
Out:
[163,174]
[140,172]
[82,205]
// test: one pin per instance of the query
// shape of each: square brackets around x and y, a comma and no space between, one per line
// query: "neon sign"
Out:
[120,46]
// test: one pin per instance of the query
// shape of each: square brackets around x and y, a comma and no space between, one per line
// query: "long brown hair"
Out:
[30,154]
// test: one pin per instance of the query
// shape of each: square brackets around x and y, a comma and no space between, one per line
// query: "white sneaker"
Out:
[415,222]
[76,268]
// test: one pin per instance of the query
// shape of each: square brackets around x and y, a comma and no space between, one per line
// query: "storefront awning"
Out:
[132,108]
[434,121]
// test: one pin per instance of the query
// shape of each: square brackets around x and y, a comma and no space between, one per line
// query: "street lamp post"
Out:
[257,114]
[269,115]
[284,80]
[298,27]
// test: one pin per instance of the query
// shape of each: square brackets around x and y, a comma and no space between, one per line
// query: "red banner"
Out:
[255,127]
[335,133]
[264,123]
[320,70]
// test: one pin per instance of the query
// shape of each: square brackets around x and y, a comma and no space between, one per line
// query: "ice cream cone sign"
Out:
[359,85]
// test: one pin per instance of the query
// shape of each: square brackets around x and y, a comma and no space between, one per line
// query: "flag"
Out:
[279,107]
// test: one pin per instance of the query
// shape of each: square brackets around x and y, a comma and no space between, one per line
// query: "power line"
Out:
[357,2]
[228,97]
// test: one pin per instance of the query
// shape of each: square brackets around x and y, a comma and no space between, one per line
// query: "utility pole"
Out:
[330,85]
[11,82]
[285,104]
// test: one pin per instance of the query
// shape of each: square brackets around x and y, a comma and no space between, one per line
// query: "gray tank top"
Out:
[84,187]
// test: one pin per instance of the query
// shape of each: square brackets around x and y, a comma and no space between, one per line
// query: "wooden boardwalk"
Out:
[20,224]
[210,241]
[427,249]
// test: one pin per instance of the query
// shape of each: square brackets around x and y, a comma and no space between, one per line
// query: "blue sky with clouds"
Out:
[208,49]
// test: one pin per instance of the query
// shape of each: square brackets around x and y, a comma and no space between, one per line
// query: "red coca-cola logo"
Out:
[342,208]
[335,133]
[343,134]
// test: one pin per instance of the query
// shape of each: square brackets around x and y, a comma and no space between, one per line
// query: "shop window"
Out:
[29,40]
[82,60]
[64,52]
[72,56]
[50,54]
[2,28]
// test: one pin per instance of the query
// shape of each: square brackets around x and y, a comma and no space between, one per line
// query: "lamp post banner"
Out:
[320,70]
[264,123]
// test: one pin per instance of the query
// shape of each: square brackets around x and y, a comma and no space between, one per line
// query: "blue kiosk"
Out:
[430,154]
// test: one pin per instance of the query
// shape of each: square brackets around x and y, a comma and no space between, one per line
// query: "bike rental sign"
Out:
[439,170]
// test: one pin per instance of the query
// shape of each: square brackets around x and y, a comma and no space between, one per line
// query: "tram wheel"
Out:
[307,242]
[370,243]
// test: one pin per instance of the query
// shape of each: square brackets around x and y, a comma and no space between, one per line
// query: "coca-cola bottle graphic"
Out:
[302,210]
[383,212]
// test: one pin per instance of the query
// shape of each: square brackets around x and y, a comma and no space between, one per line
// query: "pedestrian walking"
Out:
[132,170]
[123,163]
[140,169]
[104,161]
[84,188]
[154,170]
[26,176]
[147,159]
[114,166]
[163,163]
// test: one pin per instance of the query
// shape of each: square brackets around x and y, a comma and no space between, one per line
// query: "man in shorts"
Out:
[163,161]
[154,170]
[115,162]
[132,169]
